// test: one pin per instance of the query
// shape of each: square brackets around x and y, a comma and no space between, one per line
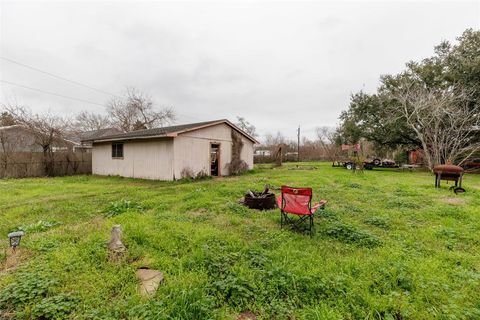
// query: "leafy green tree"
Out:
[378,118]
[369,117]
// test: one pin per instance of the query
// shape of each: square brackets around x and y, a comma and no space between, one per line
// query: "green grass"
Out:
[387,246]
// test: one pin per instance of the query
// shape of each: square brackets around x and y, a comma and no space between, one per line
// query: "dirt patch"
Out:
[199,213]
[247,315]
[454,201]
[303,168]
[14,259]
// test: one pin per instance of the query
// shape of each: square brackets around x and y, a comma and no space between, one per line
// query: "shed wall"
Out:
[192,150]
[147,159]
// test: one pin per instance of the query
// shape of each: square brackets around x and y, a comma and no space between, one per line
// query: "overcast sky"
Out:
[278,64]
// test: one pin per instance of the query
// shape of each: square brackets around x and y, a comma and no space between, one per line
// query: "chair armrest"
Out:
[319,205]
[279,201]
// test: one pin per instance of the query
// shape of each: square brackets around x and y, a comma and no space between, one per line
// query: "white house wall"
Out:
[192,149]
[247,152]
[147,159]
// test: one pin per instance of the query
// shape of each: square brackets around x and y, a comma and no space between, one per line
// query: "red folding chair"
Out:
[298,201]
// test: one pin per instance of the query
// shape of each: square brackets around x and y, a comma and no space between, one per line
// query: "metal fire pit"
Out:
[449,172]
[260,200]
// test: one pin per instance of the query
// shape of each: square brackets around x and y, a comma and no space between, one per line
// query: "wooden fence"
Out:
[33,164]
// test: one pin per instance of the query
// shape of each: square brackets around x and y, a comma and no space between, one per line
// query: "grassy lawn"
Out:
[388,246]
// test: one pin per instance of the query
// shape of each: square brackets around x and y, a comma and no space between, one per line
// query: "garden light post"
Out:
[15,238]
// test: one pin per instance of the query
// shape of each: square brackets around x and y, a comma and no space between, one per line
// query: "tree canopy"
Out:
[380,118]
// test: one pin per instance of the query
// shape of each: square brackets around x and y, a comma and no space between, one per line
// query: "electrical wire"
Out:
[76,99]
[68,80]
[51,93]
[58,77]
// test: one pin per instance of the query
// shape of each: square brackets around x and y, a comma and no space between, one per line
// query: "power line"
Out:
[68,80]
[51,93]
[73,98]
[59,77]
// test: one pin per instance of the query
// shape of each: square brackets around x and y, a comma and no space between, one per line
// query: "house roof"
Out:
[15,126]
[63,139]
[171,131]
[97,134]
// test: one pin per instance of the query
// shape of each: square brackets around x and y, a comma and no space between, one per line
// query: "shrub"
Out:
[201,175]
[237,165]
[187,173]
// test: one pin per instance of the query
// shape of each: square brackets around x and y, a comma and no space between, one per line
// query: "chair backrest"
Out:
[296,200]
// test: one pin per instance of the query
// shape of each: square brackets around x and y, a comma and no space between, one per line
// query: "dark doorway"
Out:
[215,159]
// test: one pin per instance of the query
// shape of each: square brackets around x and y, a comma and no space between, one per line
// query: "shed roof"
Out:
[171,131]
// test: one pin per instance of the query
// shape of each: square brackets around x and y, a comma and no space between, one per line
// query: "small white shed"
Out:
[170,153]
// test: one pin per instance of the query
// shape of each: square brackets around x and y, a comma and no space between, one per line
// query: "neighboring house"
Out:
[262,153]
[17,138]
[84,139]
[168,153]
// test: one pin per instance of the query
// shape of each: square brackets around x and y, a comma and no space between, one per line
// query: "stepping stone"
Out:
[149,281]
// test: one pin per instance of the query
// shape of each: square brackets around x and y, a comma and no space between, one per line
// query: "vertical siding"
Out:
[247,152]
[147,159]
[192,149]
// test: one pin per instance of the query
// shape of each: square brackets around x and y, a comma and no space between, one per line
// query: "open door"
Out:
[215,159]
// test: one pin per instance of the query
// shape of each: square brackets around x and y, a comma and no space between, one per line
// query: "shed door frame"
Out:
[219,152]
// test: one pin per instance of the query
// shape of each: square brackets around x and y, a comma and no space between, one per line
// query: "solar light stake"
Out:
[15,238]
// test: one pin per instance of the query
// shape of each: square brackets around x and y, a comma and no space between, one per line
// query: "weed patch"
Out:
[39,226]
[402,203]
[55,307]
[377,222]
[118,207]
[237,208]
[393,277]
[33,295]
[349,234]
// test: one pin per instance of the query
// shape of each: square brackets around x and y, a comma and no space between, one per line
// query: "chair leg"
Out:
[281,220]
[311,225]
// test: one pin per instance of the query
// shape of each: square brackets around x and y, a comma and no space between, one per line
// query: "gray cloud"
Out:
[279,64]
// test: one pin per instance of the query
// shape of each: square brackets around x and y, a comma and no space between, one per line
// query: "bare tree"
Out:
[442,120]
[46,129]
[326,137]
[274,140]
[89,121]
[6,119]
[136,111]
[246,126]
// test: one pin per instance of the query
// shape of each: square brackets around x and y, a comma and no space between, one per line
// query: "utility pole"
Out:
[298,144]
